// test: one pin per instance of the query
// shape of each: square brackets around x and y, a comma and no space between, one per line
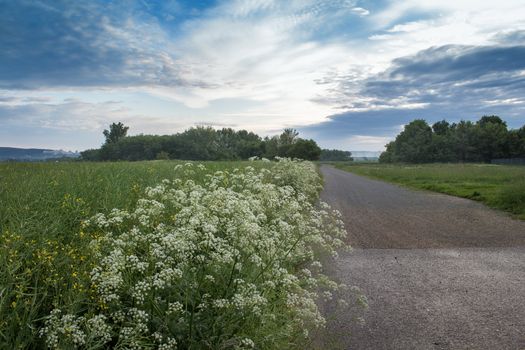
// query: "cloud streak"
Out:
[451,75]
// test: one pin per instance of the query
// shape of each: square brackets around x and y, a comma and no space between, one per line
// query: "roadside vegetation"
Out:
[498,186]
[163,255]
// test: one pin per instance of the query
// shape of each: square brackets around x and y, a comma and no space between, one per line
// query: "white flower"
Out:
[247,343]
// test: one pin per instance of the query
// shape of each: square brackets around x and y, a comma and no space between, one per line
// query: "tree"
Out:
[288,137]
[238,144]
[442,149]
[441,127]
[271,147]
[388,155]
[517,143]
[304,149]
[413,144]
[491,138]
[116,132]
[285,141]
[90,155]
[199,143]
[463,139]
[492,119]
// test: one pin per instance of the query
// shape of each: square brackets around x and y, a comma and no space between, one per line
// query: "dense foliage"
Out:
[205,143]
[487,139]
[218,256]
[335,155]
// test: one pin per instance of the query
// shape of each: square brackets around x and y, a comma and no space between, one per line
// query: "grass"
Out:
[48,199]
[499,186]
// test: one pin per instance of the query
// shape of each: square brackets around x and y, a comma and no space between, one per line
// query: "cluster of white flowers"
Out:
[220,263]
[254,158]
[71,331]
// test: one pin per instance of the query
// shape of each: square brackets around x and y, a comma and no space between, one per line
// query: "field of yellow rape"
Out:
[163,255]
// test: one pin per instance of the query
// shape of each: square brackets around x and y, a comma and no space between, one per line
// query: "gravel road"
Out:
[439,272]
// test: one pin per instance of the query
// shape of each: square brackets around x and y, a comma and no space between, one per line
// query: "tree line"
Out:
[330,155]
[201,143]
[466,141]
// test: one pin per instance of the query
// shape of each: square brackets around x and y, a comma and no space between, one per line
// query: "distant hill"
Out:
[33,154]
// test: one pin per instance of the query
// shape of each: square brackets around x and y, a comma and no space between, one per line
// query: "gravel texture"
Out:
[439,272]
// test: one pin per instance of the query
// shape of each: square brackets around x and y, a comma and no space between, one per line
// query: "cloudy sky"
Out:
[348,73]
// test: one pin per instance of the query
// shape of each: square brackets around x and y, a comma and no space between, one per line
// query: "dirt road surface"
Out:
[439,272]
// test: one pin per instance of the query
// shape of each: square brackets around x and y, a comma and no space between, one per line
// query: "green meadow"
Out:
[498,186]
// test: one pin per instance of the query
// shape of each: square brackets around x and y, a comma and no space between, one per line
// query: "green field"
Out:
[50,199]
[498,186]
[162,254]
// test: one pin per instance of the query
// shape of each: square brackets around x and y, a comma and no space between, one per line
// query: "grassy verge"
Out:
[501,187]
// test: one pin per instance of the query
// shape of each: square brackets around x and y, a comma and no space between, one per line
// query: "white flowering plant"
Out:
[228,262]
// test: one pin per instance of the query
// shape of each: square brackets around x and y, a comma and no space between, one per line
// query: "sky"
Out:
[347,73]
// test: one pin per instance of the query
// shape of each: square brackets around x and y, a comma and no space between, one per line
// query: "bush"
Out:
[230,262]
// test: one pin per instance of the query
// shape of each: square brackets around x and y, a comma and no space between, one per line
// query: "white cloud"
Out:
[409,27]
[360,11]
[265,58]
[80,115]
